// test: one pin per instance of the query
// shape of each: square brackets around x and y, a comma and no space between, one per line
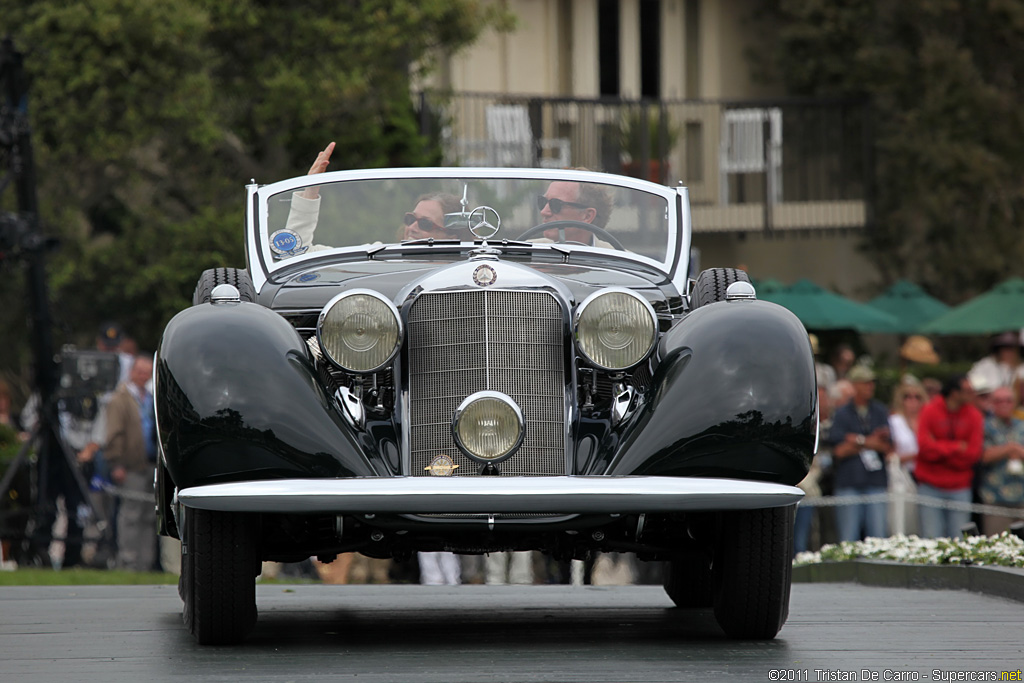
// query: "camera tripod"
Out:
[53,473]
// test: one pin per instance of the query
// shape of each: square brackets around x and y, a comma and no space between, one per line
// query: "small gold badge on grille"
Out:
[441,466]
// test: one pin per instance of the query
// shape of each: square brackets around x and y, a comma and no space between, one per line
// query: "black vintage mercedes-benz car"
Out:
[478,360]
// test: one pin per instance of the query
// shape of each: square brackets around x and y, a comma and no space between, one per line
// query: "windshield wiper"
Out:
[430,241]
[435,242]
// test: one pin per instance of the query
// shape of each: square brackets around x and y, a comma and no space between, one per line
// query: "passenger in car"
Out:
[305,206]
[426,220]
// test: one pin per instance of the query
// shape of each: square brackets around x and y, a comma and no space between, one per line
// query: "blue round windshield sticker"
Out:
[285,242]
[308,277]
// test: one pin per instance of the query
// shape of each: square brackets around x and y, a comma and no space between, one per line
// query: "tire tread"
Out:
[241,280]
[753,572]
[713,283]
[220,607]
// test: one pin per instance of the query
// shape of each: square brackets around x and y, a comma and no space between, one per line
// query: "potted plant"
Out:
[650,127]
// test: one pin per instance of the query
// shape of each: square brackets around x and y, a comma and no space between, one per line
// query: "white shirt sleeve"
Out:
[302,218]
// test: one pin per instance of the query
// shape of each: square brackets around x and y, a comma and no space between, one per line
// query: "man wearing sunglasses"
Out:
[574,201]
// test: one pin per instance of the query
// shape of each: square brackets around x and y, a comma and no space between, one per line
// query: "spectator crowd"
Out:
[924,463]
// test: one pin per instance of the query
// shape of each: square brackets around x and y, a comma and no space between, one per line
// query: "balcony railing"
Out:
[783,165]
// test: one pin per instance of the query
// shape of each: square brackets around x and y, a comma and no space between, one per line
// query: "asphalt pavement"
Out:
[460,634]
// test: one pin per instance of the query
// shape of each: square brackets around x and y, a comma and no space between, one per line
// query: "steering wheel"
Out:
[590,227]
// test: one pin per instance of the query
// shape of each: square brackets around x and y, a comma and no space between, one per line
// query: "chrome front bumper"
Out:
[492,495]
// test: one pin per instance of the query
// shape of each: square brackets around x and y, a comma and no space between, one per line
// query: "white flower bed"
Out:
[1005,550]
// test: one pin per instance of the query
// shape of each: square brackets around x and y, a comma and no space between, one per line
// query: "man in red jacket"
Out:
[950,431]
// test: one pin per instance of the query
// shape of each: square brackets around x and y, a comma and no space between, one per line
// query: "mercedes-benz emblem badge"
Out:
[484,222]
[484,275]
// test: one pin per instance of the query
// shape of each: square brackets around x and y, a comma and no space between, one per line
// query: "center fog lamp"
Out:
[488,426]
[359,330]
[615,328]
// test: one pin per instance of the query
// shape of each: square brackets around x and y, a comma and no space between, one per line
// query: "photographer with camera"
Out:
[76,417]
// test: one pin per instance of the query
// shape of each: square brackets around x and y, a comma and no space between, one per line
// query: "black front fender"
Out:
[734,395]
[237,397]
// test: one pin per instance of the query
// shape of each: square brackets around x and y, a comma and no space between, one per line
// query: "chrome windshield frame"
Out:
[262,265]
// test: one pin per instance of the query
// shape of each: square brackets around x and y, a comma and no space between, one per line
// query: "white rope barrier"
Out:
[126,494]
[899,498]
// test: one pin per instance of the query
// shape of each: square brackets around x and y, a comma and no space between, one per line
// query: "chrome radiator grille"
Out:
[463,342]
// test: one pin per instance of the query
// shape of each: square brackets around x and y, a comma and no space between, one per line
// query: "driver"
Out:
[569,200]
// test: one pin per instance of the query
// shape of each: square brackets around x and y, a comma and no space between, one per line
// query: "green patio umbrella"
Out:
[998,310]
[767,286]
[819,309]
[910,305]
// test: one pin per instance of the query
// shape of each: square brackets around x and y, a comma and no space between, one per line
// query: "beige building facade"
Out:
[556,50]
[564,81]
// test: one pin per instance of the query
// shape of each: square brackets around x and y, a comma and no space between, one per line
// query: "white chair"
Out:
[511,143]
[743,149]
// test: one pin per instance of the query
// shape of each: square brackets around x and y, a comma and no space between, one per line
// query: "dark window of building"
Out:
[694,152]
[650,48]
[692,30]
[608,46]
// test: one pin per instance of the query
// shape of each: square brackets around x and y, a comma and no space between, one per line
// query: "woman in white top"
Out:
[907,402]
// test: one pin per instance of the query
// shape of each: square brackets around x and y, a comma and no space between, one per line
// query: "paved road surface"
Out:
[476,633]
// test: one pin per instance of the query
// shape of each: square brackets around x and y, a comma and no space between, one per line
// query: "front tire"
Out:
[219,566]
[689,581]
[753,572]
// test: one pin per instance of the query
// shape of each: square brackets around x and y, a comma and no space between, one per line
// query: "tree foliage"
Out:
[149,116]
[945,78]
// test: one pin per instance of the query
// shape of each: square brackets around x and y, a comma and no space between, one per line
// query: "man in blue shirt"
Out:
[860,442]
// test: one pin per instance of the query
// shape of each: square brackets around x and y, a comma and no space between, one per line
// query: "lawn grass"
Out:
[106,577]
[83,577]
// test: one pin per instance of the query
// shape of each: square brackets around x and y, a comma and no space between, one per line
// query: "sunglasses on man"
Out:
[557,204]
[425,224]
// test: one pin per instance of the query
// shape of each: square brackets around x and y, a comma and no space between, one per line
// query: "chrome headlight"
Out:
[359,330]
[615,329]
[488,426]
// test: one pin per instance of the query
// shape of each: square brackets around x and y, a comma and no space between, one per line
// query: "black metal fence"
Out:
[729,153]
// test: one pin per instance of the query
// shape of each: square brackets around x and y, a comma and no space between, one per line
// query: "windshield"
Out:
[339,212]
